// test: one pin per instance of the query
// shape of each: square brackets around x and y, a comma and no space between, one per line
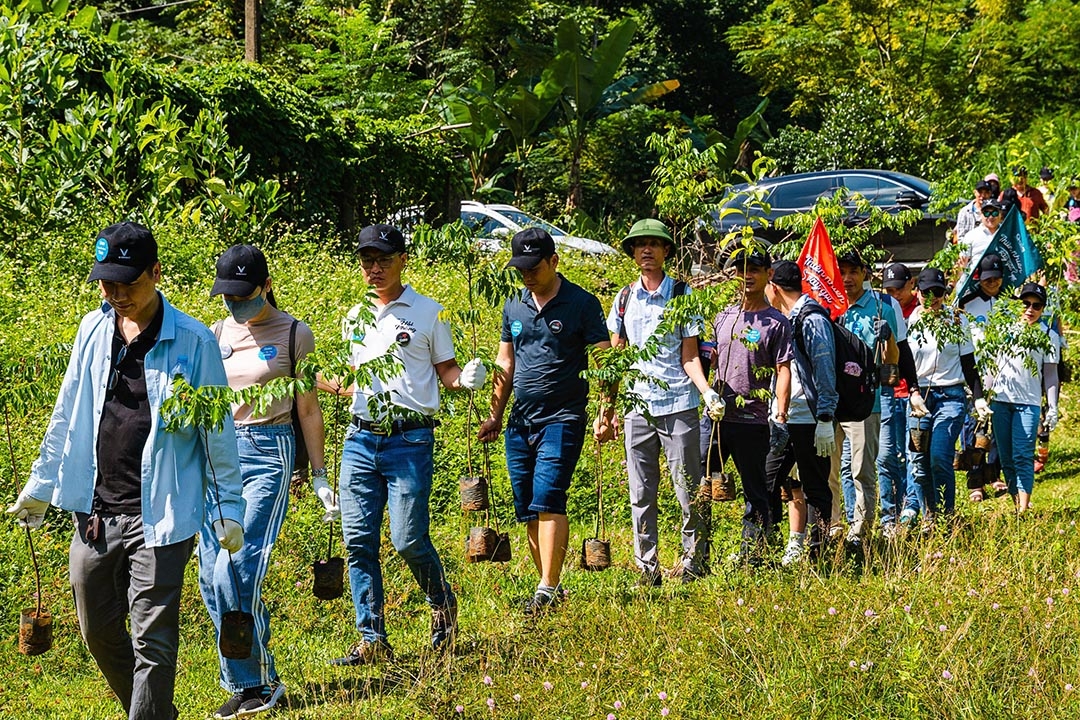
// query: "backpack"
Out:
[856,372]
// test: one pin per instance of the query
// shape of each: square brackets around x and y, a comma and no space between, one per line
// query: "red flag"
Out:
[821,273]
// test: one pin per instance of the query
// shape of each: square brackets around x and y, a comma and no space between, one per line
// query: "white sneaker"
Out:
[793,552]
[907,517]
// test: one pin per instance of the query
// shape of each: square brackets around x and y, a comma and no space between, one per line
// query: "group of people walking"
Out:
[144,499]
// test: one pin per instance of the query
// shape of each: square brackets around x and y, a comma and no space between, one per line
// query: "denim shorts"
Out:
[541,462]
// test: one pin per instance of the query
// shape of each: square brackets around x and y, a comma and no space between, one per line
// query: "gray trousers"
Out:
[679,436]
[113,578]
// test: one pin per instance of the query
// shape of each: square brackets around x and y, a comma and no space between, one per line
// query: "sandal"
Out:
[975,496]
[1000,488]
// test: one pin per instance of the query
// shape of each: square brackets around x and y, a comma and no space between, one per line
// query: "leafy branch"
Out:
[1005,334]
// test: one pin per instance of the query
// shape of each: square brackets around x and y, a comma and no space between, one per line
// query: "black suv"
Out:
[890,191]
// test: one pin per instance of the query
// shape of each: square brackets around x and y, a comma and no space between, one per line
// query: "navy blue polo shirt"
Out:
[550,353]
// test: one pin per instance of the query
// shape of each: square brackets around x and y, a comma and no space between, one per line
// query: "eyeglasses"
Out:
[383,261]
[1033,305]
[991,213]
[114,376]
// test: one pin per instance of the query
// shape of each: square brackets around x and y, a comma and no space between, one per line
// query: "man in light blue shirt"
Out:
[139,494]
[671,422]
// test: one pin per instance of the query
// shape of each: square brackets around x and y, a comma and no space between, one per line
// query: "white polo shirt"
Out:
[410,328]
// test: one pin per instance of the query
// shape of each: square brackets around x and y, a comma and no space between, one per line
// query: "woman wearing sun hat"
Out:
[258,343]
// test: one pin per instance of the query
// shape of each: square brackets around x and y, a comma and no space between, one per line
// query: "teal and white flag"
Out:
[1020,258]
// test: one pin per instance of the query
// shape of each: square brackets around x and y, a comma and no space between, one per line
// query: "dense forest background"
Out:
[356,110]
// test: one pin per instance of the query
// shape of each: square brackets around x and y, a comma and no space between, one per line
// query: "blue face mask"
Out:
[244,310]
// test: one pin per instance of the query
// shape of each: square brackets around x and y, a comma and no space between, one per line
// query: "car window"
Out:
[801,194]
[524,219]
[473,220]
[879,191]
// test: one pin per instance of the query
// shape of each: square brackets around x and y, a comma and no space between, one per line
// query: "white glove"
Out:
[29,512]
[229,534]
[328,499]
[1050,419]
[917,406]
[473,375]
[715,407]
[982,410]
[825,438]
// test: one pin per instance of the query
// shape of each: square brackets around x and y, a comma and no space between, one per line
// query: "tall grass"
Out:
[977,619]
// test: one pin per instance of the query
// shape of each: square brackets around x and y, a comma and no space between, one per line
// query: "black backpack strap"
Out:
[620,311]
[292,348]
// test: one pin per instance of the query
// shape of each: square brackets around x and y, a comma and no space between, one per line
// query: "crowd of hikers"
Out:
[853,407]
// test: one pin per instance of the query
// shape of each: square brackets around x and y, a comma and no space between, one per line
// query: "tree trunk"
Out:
[251,31]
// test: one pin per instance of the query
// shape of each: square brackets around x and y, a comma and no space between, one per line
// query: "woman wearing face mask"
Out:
[258,343]
[1018,400]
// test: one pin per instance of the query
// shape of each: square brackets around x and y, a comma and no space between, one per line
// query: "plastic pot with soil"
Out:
[483,543]
[596,551]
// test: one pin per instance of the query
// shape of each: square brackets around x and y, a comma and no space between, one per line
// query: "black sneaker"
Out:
[541,602]
[365,652]
[231,707]
[258,699]
[443,626]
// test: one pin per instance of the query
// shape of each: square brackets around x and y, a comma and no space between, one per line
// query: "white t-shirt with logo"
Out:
[410,328]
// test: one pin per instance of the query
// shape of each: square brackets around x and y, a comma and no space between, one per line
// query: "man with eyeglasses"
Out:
[547,329]
[387,461]
[139,494]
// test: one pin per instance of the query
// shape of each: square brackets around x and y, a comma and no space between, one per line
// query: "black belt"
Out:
[395,426]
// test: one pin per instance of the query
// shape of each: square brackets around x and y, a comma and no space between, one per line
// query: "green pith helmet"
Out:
[649,227]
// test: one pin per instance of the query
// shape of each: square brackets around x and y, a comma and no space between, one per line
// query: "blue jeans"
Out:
[1015,428]
[541,462]
[266,460]
[892,456]
[933,470]
[388,472]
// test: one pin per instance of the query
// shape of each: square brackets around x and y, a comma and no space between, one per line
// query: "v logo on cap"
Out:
[241,269]
[125,253]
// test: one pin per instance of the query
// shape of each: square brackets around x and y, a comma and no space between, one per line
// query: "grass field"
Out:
[977,620]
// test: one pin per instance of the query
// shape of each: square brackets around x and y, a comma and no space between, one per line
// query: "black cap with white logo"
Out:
[384,238]
[241,270]
[897,275]
[529,247]
[123,252]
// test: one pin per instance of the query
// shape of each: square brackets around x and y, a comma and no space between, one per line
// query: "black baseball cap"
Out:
[1046,173]
[1033,289]
[931,278]
[787,275]
[529,247]
[750,255]
[1020,170]
[241,270]
[993,203]
[990,267]
[982,185]
[123,252]
[384,238]
[897,275]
